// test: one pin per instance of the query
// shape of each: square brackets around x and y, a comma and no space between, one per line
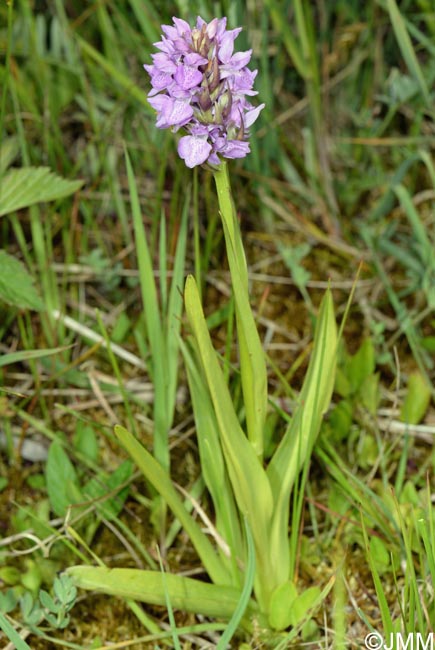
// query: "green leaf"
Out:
[12,634]
[85,441]
[387,621]
[25,355]
[10,575]
[48,602]
[303,603]
[245,596]
[161,482]
[292,257]
[60,476]
[379,554]
[417,399]
[212,459]
[249,481]
[16,285]
[185,594]
[9,149]
[8,601]
[297,443]
[405,44]
[20,188]
[361,365]
[65,590]
[281,603]
[100,486]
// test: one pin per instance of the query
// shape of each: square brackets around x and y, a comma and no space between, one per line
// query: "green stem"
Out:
[196,238]
[252,358]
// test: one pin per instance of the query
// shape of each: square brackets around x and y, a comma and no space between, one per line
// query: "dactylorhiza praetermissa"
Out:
[200,85]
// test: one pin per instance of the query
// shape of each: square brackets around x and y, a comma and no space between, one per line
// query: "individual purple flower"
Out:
[200,84]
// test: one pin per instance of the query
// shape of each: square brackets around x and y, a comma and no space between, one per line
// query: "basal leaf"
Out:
[296,445]
[185,594]
[159,479]
[248,479]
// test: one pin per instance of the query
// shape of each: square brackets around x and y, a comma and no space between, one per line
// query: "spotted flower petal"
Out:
[194,150]
[199,84]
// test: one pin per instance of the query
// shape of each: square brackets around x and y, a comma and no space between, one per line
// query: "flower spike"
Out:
[200,85]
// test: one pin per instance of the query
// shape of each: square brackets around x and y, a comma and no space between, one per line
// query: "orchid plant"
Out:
[201,86]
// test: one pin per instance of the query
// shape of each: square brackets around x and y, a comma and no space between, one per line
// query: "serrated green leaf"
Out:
[20,188]
[16,284]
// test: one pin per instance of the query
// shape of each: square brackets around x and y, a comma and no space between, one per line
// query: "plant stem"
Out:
[252,358]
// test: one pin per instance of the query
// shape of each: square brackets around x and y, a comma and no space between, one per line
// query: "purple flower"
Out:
[200,84]
[194,150]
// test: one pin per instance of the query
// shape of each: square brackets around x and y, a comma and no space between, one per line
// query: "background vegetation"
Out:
[339,191]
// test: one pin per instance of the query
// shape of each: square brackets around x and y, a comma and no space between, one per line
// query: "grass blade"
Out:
[12,634]
[245,595]
[405,45]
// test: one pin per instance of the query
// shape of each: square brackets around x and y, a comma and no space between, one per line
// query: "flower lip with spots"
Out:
[200,85]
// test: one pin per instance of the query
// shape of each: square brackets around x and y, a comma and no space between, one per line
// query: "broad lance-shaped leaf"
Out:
[213,466]
[16,285]
[249,481]
[161,482]
[26,186]
[152,587]
[298,441]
